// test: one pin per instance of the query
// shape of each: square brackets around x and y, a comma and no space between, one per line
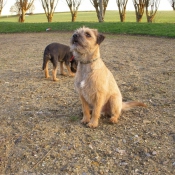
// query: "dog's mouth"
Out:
[75,39]
[75,42]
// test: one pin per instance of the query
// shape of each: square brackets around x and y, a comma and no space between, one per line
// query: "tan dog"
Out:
[94,82]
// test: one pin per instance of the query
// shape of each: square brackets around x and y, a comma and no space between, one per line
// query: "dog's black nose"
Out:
[75,35]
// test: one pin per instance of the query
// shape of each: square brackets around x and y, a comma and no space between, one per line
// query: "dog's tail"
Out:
[46,58]
[129,105]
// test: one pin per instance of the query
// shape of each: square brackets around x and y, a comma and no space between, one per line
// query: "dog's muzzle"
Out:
[75,38]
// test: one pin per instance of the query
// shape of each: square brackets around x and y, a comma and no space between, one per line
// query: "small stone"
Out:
[124,141]
[121,152]
[90,146]
[123,163]
[146,121]
[154,153]
[148,155]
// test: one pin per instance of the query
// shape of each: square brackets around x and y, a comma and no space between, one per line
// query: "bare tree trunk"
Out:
[97,10]
[22,15]
[98,14]
[49,8]
[24,5]
[172,3]
[101,17]
[100,7]
[73,6]
[74,16]
[2,4]
[150,19]
[151,9]
[49,17]
[122,9]
[139,9]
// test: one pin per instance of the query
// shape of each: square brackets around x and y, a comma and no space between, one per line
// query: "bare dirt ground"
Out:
[40,129]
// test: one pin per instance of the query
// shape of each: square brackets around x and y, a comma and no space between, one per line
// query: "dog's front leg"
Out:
[96,112]
[86,111]
[69,71]
[62,69]
[54,73]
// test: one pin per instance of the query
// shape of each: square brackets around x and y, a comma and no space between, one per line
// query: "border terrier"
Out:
[94,82]
[56,52]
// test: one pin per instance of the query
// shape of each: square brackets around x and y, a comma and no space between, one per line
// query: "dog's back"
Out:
[56,52]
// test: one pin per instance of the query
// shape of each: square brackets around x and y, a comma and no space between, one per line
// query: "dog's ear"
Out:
[100,38]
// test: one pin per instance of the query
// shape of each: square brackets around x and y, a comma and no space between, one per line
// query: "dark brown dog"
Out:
[56,52]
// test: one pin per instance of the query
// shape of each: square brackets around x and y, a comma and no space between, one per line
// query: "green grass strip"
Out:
[132,28]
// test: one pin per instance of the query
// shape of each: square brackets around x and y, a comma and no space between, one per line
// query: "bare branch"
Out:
[49,8]
[172,3]
[2,4]
[96,4]
[122,8]
[24,6]
[151,9]
[73,6]
[139,9]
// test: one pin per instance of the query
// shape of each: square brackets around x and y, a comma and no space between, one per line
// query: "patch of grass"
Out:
[91,16]
[74,118]
[153,29]
[162,25]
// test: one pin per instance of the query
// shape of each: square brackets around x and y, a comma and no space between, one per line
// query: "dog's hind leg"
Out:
[46,71]
[116,107]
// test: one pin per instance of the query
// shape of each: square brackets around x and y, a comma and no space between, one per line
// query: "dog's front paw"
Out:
[113,119]
[71,74]
[55,79]
[47,76]
[64,73]
[85,120]
[92,124]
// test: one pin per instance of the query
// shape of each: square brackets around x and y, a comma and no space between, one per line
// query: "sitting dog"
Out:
[56,52]
[94,82]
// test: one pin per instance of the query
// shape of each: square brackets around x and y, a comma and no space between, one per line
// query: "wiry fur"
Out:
[94,82]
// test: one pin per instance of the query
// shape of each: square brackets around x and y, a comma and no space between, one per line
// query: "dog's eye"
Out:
[87,34]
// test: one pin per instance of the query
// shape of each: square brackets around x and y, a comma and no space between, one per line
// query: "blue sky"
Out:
[85,5]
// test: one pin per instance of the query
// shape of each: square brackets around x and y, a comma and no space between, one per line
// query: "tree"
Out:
[31,9]
[15,8]
[73,6]
[96,4]
[172,2]
[122,8]
[139,6]
[2,4]
[24,6]
[151,9]
[101,16]
[49,8]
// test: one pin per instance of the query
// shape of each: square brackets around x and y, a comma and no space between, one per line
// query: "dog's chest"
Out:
[84,84]
[85,89]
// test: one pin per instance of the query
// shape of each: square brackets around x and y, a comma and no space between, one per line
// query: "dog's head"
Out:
[85,42]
